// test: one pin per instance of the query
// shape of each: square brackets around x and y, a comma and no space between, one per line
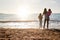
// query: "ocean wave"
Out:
[55,20]
[28,21]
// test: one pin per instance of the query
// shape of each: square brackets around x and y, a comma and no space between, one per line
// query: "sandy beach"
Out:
[30,34]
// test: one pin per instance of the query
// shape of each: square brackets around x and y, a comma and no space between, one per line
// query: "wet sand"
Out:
[32,34]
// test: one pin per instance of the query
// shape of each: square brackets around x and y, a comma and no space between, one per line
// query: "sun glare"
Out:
[23,12]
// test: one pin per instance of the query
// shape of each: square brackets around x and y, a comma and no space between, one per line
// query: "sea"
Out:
[53,23]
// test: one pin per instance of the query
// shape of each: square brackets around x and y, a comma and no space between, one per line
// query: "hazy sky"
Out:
[34,6]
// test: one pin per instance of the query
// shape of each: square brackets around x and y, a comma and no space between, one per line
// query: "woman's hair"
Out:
[45,11]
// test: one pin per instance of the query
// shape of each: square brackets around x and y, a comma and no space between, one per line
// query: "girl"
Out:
[40,19]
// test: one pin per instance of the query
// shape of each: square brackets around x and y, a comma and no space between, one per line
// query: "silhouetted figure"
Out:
[40,19]
[47,18]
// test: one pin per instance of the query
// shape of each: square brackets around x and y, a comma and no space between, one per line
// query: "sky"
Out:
[32,6]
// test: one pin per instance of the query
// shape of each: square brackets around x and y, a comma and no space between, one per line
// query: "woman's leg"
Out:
[44,23]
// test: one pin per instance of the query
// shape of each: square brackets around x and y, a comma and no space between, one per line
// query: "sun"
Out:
[23,12]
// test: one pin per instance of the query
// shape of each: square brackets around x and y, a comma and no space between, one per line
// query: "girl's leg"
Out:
[40,23]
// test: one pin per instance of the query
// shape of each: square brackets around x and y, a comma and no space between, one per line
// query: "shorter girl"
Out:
[40,19]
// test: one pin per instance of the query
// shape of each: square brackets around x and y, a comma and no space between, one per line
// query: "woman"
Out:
[47,17]
[44,13]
